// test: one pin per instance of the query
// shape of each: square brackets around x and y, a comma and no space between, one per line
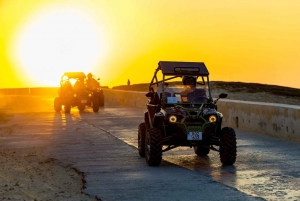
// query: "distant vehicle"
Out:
[96,96]
[72,92]
[182,112]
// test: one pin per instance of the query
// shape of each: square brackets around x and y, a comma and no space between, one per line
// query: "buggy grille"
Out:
[186,129]
[193,128]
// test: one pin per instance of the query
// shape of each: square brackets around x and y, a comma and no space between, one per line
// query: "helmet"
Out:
[185,78]
[89,75]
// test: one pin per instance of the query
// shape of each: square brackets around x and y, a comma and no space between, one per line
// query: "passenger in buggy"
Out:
[169,92]
[91,83]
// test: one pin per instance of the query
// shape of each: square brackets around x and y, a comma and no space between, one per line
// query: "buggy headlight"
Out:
[75,95]
[212,118]
[90,95]
[172,118]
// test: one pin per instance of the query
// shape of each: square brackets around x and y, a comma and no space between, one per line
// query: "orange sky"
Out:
[246,40]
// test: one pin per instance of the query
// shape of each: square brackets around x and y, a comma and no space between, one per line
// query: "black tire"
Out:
[153,147]
[200,150]
[95,104]
[67,108]
[81,107]
[57,104]
[101,100]
[141,139]
[228,146]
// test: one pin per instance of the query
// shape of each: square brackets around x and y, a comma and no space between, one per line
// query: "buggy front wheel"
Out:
[228,146]
[153,147]
[141,139]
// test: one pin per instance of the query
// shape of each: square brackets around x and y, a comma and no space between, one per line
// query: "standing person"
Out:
[91,83]
[128,82]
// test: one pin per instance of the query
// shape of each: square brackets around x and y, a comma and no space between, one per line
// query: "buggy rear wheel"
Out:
[95,104]
[141,139]
[201,150]
[101,100]
[228,146]
[153,147]
[57,104]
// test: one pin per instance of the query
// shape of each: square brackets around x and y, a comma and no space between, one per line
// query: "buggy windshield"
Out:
[186,89]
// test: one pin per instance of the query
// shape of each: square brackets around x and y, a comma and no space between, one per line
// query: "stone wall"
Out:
[277,120]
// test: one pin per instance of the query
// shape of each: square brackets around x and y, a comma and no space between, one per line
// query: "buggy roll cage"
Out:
[180,69]
[71,75]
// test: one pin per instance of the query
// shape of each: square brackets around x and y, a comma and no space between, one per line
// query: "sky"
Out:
[239,40]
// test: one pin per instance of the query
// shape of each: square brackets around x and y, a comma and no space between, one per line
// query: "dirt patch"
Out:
[27,175]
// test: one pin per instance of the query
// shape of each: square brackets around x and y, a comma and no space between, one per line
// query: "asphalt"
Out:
[112,169]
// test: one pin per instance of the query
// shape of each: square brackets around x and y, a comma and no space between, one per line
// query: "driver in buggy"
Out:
[66,88]
[190,92]
[91,83]
[79,85]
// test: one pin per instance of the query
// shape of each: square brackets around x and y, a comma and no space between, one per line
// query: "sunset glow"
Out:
[59,40]
[246,41]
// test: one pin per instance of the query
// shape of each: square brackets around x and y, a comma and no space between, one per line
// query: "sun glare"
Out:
[56,40]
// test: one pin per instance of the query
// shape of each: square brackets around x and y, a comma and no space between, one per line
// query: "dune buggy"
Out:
[72,92]
[96,96]
[183,114]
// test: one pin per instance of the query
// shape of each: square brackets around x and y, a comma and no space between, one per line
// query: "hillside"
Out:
[242,91]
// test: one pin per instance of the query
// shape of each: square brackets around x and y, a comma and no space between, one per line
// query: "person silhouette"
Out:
[91,83]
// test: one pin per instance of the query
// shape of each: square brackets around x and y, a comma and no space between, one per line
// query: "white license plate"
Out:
[83,101]
[172,100]
[194,135]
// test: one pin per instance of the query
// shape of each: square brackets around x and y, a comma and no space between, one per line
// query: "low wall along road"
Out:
[277,120]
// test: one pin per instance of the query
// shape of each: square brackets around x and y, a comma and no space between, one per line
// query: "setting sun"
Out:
[56,40]
[248,41]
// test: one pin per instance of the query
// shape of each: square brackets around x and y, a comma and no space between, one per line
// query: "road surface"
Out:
[102,146]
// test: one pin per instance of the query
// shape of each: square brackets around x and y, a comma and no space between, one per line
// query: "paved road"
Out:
[103,147]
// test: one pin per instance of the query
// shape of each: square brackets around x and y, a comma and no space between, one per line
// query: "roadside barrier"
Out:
[277,120]
[39,91]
